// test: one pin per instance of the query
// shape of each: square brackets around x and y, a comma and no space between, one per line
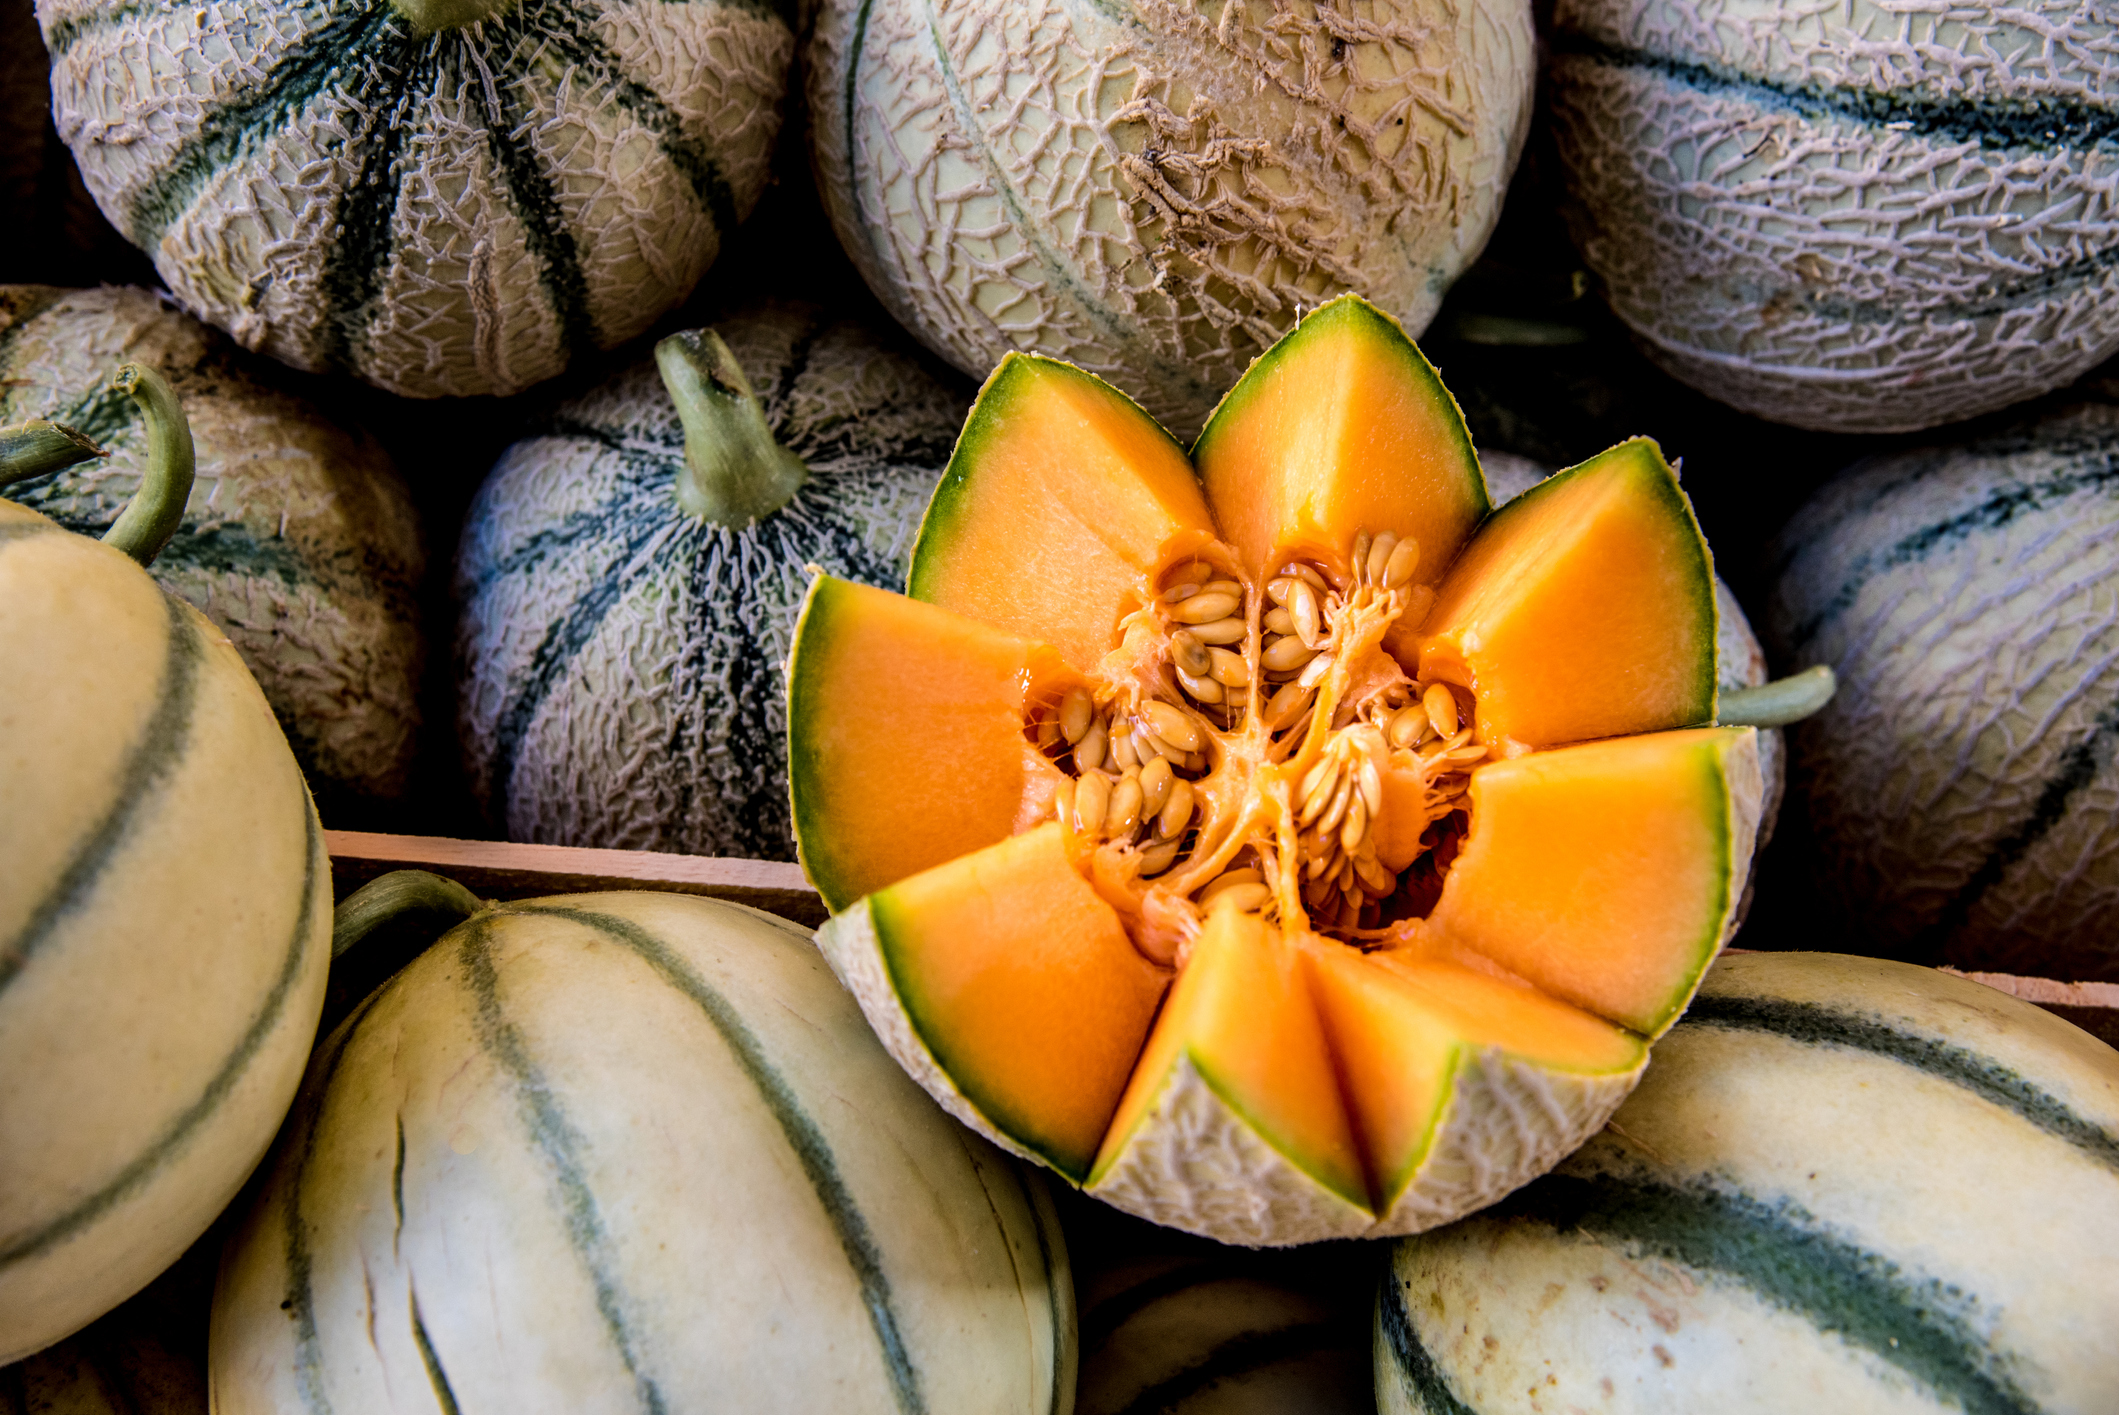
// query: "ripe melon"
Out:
[1156,191]
[1962,787]
[148,1357]
[165,914]
[1846,1184]
[633,1152]
[444,197]
[1287,849]
[300,542]
[618,649]
[1859,218]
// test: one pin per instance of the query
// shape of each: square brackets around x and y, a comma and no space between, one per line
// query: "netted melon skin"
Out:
[300,541]
[1155,191]
[620,664]
[1857,219]
[444,214]
[1962,784]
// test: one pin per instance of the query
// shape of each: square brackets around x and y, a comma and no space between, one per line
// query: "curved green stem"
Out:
[157,508]
[37,448]
[735,474]
[1780,702]
[389,897]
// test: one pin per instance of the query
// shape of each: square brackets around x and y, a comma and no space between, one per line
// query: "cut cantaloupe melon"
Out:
[1312,778]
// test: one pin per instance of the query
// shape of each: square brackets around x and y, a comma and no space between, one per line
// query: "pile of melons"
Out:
[1078,518]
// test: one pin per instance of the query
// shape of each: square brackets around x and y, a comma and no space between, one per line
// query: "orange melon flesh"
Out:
[1061,495]
[905,737]
[1399,1027]
[1583,609]
[1603,874]
[1241,1012]
[1341,427]
[1024,986]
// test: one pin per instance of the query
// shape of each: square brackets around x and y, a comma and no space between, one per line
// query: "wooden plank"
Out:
[2094,1007]
[496,869]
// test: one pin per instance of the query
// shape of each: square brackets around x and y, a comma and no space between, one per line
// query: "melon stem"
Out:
[1780,702]
[38,448]
[157,508]
[735,474]
[390,897]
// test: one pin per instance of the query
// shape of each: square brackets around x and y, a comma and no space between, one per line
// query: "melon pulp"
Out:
[1405,958]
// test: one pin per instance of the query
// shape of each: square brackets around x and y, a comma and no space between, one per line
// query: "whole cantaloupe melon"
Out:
[300,542]
[1962,786]
[445,197]
[1859,218]
[1153,190]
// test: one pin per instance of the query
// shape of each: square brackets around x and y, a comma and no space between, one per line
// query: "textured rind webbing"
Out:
[801,1132]
[1237,1356]
[181,1130]
[1816,1024]
[561,1147]
[1419,1378]
[1924,1326]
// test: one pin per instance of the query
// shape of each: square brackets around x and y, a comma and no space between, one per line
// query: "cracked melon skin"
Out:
[1797,1210]
[1962,785]
[443,197]
[617,659]
[1155,191]
[1277,948]
[300,540]
[1874,219]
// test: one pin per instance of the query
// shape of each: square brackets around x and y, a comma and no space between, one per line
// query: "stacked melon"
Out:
[1283,850]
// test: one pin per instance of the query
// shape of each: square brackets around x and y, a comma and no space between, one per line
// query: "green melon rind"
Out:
[1732,779]
[1644,461]
[1351,312]
[1016,377]
[808,670]
[1832,1235]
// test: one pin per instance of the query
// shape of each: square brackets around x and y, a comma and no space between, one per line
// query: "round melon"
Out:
[1858,219]
[1278,842]
[1157,191]
[299,542]
[620,643]
[633,1152]
[148,1357]
[1962,787]
[165,915]
[1846,1184]
[444,197]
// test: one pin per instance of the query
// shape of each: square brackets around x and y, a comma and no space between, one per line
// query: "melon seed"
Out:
[1408,725]
[1335,812]
[1178,593]
[1229,669]
[1223,587]
[1356,825]
[1229,879]
[1155,779]
[1441,705]
[1074,715]
[1379,880]
[1123,751]
[1092,798]
[1221,631]
[1122,813]
[1371,783]
[1286,705]
[1204,690]
[1089,752]
[1189,654]
[1280,587]
[1398,571]
[1279,621]
[1177,811]
[1313,672]
[1286,655]
[1206,608]
[1157,858]
[1308,616]
[1246,898]
[1174,726]
[1379,556]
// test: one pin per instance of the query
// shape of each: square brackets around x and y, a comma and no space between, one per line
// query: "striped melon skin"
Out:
[447,212]
[300,542]
[627,1152]
[1962,785]
[165,913]
[1154,190]
[1846,1184]
[1865,218]
[619,663]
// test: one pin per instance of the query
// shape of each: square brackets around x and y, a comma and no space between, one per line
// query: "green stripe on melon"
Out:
[1845,1183]
[164,897]
[300,541]
[621,662]
[1865,220]
[638,1151]
[1962,783]
[487,191]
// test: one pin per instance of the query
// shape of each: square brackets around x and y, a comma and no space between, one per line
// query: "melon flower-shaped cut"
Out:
[1279,844]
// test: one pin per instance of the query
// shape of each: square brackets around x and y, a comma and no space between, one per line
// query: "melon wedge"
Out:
[1309,885]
